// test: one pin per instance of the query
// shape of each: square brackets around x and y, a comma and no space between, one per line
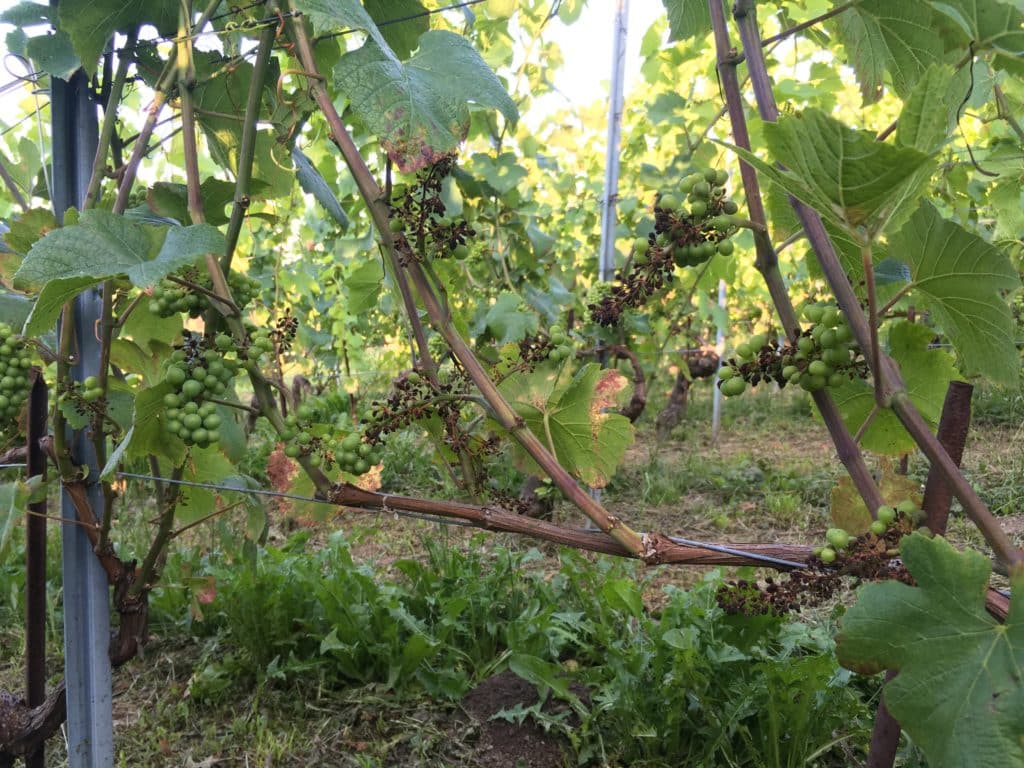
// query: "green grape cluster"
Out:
[562,343]
[170,298]
[685,235]
[352,452]
[15,363]
[261,342]
[825,355]
[197,372]
[700,228]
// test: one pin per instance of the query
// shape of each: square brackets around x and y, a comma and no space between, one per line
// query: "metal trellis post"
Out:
[86,592]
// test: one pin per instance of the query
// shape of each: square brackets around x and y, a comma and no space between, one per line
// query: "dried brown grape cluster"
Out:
[419,223]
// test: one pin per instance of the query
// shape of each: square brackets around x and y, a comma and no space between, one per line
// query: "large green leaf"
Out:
[363,286]
[898,36]
[960,689]
[963,281]
[507,321]
[401,36]
[314,184]
[926,372]
[419,108]
[90,23]
[844,174]
[986,23]
[688,18]
[54,54]
[571,421]
[104,245]
[339,15]
[147,434]
[929,111]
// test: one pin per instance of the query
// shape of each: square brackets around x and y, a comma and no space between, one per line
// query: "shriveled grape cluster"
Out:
[170,298]
[304,438]
[198,372]
[418,220]
[871,556]
[685,235]
[825,355]
[15,363]
[891,523]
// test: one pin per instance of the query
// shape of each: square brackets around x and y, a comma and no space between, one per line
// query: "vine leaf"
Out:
[960,690]
[364,287]
[314,184]
[899,37]
[962,280]
[929,111]
[147,434]
[401,36]
[339,15]
[419,108]
[926,372]
[848,510]
[571,420]
[687,18]
[845,174]
[90,23]
[14,499]
[507,321]
[986,23]
[53,54]
[14,309]
[103,245]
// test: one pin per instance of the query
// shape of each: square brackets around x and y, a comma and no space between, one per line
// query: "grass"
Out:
[355,649]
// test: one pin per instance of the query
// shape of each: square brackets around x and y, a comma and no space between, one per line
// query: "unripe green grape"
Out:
[351,442]
[200,435]
[818,368]
[192,388]
[461,252]
[906,507]
[192,421]
[726,372]
[710,174]
[828,339]
[830,316]
[813,312]
[360,467]
[836,380]
[729,207]
[827,556]
[396,226]
[843,333]
[213,435]
[725,247]
[190,408]
[743,351]
[838,538]
[757,341]
[698,208]
[721,223]
[886,515]
[668,202]
[877,527]
[173,426]
[291,451]
[721,177]
[213,421]
[805,345]
[789,372]
[176,376]
[701,190]
[315,460]
[641,245]
[733,387]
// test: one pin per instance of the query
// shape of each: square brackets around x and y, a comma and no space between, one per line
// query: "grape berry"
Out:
[197,372]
